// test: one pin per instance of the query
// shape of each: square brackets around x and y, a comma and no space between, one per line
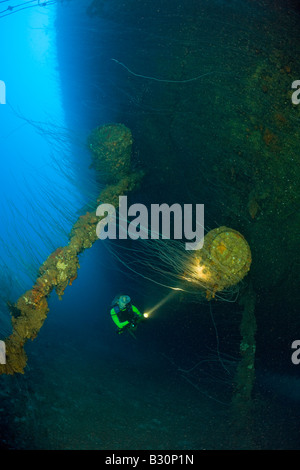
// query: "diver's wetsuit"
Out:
[128,315]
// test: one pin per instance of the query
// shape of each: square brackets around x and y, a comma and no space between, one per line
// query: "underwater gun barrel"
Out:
[60,268]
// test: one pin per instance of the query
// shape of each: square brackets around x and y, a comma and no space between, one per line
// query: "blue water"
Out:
[70,67]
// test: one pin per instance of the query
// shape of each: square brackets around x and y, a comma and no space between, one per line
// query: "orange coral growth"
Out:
[280,119]
[221,248]
[72,279]
[269,137]
[37,295]
[56,253]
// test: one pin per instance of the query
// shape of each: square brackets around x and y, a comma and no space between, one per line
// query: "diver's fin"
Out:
[131,333]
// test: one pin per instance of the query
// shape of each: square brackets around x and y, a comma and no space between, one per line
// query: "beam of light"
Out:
[161,302]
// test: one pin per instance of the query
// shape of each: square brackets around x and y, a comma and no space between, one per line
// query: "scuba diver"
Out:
[125,315]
